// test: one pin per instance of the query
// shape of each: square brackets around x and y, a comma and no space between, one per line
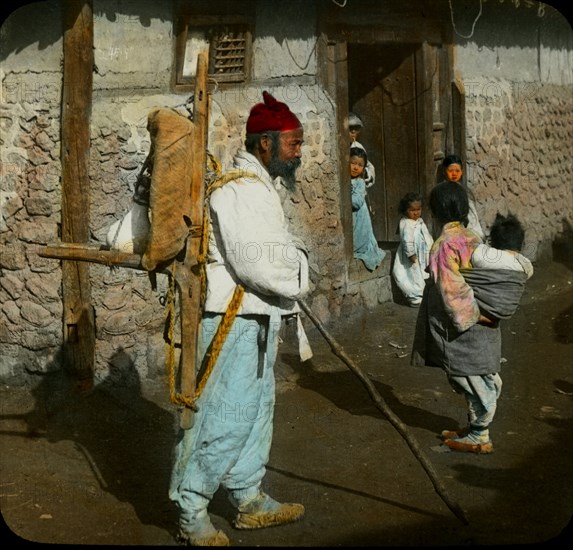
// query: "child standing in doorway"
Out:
[409,270]
[365,244]
[355,126]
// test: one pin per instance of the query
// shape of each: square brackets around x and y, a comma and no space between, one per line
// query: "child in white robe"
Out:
[409,270]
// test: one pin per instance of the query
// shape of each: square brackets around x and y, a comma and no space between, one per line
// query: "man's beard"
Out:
[286,169]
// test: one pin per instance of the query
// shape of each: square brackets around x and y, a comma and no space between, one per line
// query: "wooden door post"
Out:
[78,317]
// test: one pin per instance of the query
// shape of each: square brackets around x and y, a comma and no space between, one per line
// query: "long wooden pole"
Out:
[394,420]
[188,279]
[78,321]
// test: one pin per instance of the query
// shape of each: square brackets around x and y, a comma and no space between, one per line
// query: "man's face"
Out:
[285,156]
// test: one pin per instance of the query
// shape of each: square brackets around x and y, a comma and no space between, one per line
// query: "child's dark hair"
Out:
[451,159]
[407,200]
[507,233]
[449,203]
[359,152]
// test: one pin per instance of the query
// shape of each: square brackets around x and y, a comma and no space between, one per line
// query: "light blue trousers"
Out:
[481,393]
[229,442]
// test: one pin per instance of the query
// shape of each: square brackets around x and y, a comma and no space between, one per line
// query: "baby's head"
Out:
[411,205]
[507,233]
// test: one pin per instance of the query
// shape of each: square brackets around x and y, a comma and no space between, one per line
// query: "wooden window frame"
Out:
[187,23]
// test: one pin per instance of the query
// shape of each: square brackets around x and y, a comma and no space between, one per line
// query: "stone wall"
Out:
[516,70]
[30,293]
[519,157]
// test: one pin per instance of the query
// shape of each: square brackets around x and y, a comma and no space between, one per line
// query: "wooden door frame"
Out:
[333,76]
[435,53]
[336,81]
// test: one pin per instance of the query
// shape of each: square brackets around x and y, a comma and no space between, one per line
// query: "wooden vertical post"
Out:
[459,121]
[79,325]
[335,75]
[425,71]
[189,278]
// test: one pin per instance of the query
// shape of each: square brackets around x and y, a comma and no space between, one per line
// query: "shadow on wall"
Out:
[42,21]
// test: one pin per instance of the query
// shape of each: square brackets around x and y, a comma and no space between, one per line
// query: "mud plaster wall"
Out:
[30,198]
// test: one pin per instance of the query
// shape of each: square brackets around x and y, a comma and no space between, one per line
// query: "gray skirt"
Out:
[438,343]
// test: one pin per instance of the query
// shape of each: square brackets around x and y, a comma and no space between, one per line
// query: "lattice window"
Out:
[227,43]
[228,52]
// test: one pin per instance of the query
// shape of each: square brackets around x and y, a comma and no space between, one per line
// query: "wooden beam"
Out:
[334,72]
[188,279]
[79,324]
[90,253]
[459,120]
[426,69]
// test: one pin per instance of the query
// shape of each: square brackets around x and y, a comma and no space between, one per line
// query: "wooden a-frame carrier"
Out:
[79,330]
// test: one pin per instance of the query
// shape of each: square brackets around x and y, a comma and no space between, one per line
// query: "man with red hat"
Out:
[251,249]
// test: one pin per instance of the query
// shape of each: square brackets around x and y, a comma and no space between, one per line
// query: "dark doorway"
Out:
[382,90]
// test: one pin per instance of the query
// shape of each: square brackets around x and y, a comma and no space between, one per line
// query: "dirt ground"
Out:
[94,468]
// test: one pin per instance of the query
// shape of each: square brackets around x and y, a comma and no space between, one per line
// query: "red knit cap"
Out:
[271,116]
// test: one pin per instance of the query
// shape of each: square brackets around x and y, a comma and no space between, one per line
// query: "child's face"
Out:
[354,132]
[454,172]
[356,166]
[414,210]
